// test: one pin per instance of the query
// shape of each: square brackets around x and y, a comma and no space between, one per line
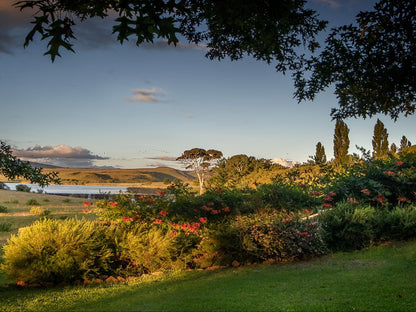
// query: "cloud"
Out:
[60,155]
[146,95]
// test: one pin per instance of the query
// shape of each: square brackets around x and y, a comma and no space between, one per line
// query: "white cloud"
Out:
[146,95]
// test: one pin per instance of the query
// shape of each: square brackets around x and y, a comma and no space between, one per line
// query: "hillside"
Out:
[120,176]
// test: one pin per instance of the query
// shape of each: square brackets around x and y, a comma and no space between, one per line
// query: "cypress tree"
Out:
[404,142]
[380,141]
[341,142]
[320,157]
[393,148]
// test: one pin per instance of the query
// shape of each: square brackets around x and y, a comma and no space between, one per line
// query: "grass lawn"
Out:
[377,279]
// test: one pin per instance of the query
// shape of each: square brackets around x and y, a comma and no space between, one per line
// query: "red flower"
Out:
[86,211]
[158,221]
[87,204]
[326,205]
[114,204]
[127,219]
[219,191]
[215,211]
[226,209]
[316,193]
[399,163]
[160,192]
[150,201]
[328,198]
[401,199]
[287,219]
[173,233]
[331,193]
[380,199]
[389,173]
[302,185]
[306,211]
[365,191]
[304,234]
[203,219]
[163,213]
[352,200]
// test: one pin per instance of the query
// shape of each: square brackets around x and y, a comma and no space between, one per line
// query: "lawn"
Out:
[380,278]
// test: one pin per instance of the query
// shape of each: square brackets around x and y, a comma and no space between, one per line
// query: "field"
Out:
[377,279]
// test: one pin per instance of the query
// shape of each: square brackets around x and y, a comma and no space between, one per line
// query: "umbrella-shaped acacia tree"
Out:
[201,162]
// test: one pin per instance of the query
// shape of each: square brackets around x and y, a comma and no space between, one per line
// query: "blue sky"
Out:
[122,106]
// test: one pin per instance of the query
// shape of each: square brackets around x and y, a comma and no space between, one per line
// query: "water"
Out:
[72,189]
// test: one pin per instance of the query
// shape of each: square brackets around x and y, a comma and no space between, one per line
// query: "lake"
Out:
[71,189]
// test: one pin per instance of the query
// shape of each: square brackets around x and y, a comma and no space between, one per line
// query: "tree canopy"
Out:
[12,167]
[370,62]
[201,162]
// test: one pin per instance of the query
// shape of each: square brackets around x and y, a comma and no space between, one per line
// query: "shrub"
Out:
[147,249]
[32,202]
[5,227]
[22,188]
[55,251]
[3,209]
[66,200]
[400,223]
[271,234]
[39,211]
[350,226]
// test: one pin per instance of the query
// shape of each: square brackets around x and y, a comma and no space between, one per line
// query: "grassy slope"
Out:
[378,279]
[135,176]
[126,177]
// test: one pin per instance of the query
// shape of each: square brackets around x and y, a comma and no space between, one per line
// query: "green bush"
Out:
[350,226]
[39,211]
[5,227]
[57,251]
[400,223]
[3,208]
[22,188]
[33,202]
[271,234]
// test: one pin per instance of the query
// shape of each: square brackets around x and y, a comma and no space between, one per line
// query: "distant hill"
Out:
[120,176]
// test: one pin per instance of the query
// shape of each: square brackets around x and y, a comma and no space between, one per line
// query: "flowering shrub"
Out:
[278,235]
[378,182]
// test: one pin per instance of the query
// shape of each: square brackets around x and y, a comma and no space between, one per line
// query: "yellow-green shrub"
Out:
[56,250]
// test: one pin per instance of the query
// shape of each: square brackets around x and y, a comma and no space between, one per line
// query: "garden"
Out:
[294,218]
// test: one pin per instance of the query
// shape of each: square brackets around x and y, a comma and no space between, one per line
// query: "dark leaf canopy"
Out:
[372,64]
[268,30]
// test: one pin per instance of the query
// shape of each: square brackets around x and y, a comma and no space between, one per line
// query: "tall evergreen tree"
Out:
[393,148]
[380,141]
[320,157]
[404,142]
[341,142]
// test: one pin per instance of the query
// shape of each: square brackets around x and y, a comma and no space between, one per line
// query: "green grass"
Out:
[377,279]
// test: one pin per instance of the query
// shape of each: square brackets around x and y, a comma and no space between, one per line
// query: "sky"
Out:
[112,105]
